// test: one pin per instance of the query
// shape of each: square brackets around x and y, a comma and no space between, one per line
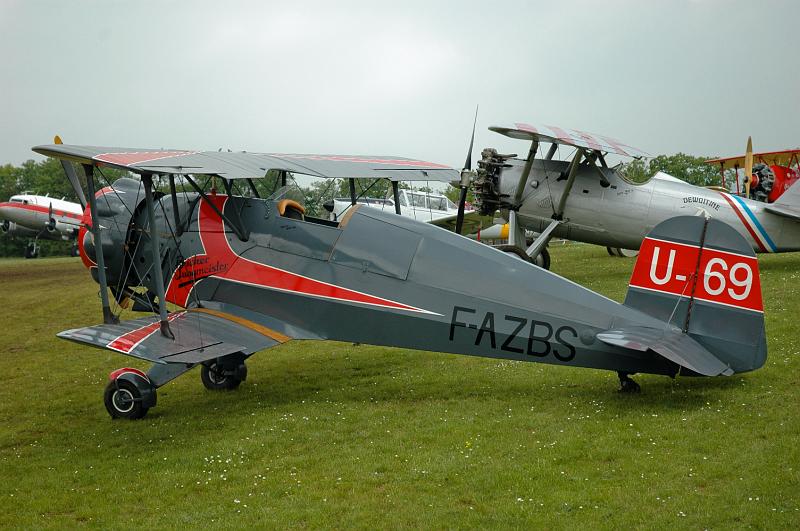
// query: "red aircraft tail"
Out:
[701,276]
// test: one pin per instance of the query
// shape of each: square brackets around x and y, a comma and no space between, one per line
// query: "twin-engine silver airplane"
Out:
[583,199]
[40,217]
[247,273]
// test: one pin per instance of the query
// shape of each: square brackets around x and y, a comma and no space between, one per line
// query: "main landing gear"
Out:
[32,249]
[626,385]
[542,259]
[131,393]
[222,374]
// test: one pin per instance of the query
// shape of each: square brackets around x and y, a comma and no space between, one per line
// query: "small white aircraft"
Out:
[35,216]
[422,206]
[583,199]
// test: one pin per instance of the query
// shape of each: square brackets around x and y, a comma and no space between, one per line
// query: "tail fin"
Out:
[788,204]
[701,276]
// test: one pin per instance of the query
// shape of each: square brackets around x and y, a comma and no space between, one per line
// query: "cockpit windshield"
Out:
[637,171]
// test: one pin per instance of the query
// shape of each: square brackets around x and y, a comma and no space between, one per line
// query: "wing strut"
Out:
[236,228]
[108,317]
[158,272]
[396,194]
[353,197]
[516,234]
[558,216]
[72,177]
[175,212]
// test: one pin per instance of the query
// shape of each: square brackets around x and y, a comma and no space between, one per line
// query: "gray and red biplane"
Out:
[248,273]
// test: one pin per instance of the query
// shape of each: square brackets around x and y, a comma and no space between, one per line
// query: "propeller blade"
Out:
[69,170]
[748,166]
[462,199]
[468,162]
[460,216]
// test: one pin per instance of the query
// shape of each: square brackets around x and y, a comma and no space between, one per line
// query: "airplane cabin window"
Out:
[418,200]
[16,200]
[436,203]
[403,200]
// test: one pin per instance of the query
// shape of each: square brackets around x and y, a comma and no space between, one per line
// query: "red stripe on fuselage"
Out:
[41,209]
[744,222]
[219,260]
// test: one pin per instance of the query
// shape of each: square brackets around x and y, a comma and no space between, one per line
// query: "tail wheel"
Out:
[124,400]
[218,377]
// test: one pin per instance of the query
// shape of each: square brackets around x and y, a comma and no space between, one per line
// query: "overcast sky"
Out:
[399,78]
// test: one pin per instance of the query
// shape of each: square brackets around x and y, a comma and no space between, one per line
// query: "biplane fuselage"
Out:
[621,214]
[248,274]
[381,279]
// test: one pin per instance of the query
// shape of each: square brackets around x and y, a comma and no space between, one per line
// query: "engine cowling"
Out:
[59,226]
[6,227]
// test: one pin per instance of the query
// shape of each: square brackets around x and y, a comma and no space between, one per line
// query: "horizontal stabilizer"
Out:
[200,335]
[672,344]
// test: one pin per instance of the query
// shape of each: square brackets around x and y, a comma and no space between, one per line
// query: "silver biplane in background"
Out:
[584,199]
[245,273]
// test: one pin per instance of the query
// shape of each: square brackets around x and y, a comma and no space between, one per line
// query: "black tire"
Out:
[611,251]
[31,251]
[73,252]
[215,377]
[123,400]
[543,260]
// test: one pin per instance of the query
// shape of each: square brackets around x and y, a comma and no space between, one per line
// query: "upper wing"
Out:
[200,335]
[781,158]
[241,164]
[569,137]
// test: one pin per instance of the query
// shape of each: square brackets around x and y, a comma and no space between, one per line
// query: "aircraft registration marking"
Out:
[526,336]
[715,276]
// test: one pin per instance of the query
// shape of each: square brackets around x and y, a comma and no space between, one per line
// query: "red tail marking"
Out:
[723,278]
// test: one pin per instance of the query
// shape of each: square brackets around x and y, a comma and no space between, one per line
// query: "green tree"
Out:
[687,168]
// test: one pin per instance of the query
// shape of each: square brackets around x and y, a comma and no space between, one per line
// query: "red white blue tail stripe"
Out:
[751,223]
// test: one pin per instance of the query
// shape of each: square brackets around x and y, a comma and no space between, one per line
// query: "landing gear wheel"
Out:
[31,250]
[123,400]
[218,377]
[626,385]
[542,260]
[73,252]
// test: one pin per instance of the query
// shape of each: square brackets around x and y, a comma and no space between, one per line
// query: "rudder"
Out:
[700,275]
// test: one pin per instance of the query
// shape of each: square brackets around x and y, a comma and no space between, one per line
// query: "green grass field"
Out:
[329,434]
